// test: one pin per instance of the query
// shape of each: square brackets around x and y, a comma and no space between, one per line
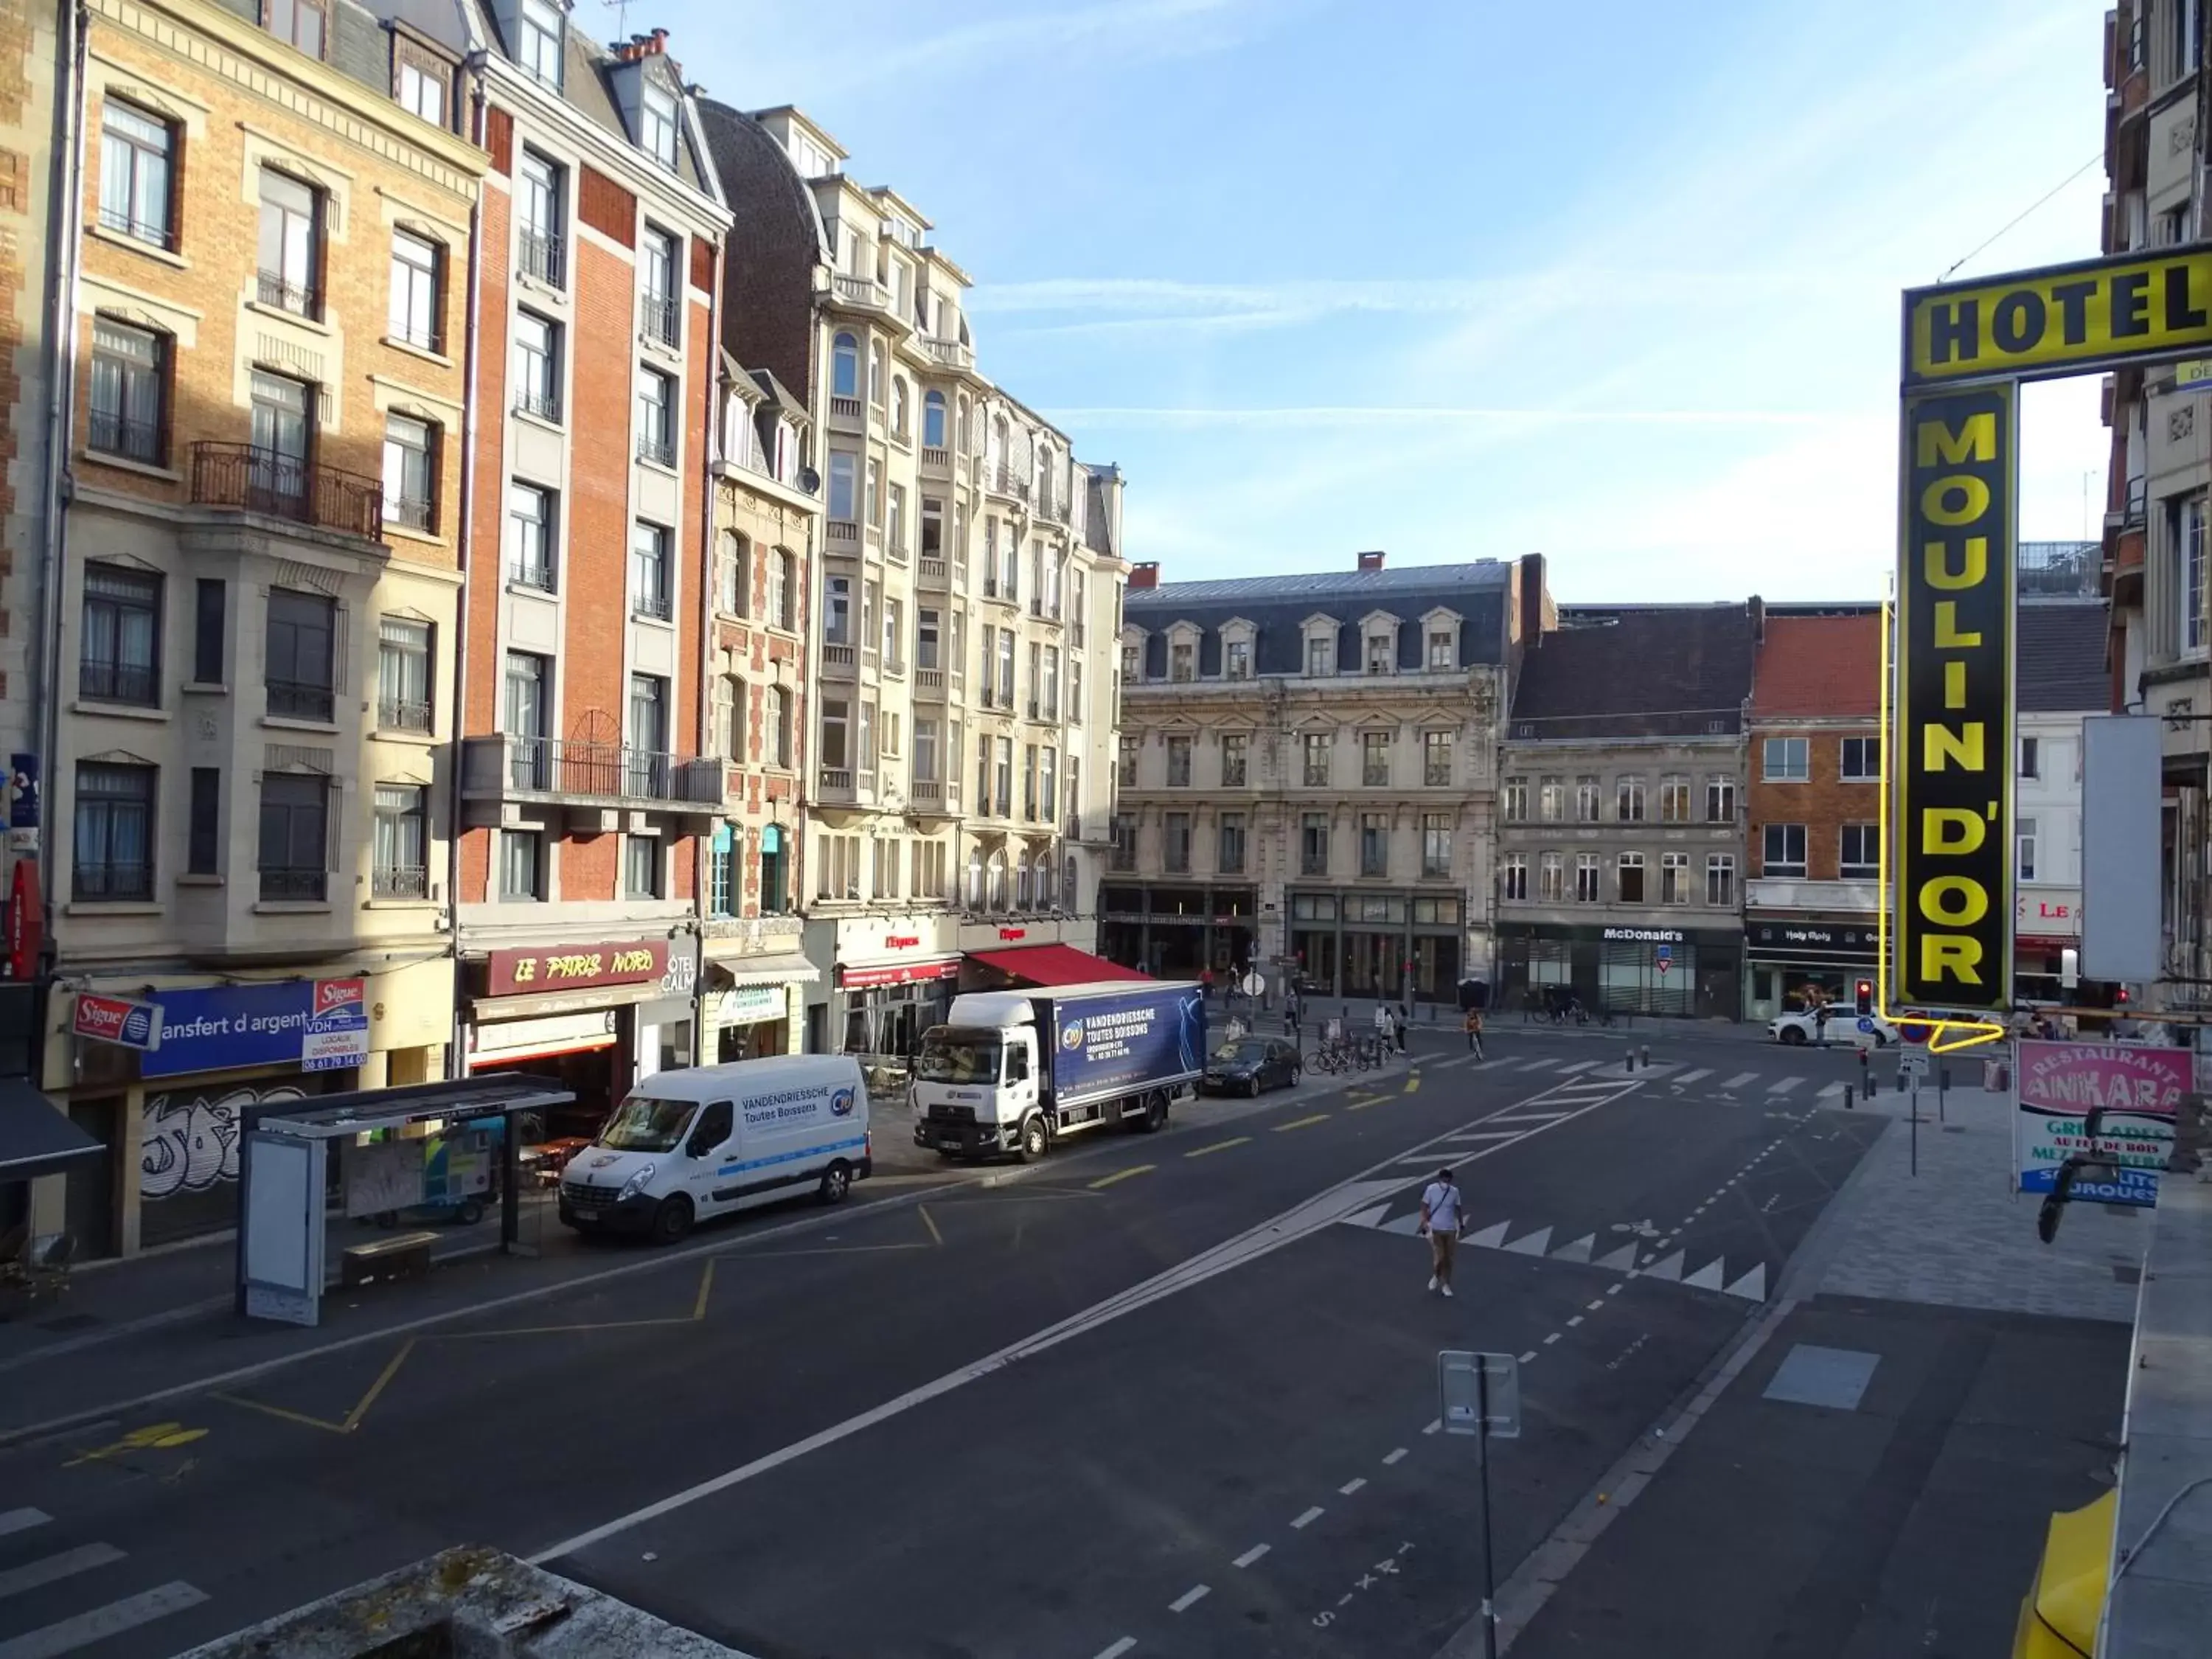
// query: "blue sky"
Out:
[1617,283]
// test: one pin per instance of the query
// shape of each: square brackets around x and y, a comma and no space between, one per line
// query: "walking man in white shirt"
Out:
[1441,1210]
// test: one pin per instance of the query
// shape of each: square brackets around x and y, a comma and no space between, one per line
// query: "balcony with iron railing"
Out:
[275,290]
[101,681]
[399,881]
[582,770]
[301,700]
[659,449]
[402,714]
[531,570]
[410,514]
[281,486]
[1043,609]
[123,223]
[546,405]
[111,883]
[657,317]
[545,255]
[110,434]
[293,884]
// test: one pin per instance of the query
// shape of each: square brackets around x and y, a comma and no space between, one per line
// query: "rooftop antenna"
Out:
[620,10]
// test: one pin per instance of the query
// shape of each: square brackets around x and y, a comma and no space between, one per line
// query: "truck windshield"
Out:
[642,1124]
[951,1055]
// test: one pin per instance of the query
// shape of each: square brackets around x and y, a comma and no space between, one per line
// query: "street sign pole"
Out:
[1489,1566]
[1480,1395]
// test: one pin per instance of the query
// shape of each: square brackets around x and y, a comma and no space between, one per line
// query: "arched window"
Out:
[1067,883]
[734,590]
[964,423]
[1022,880]
[845,366]
[782,590]
[779,727]
[740,745]
[974,879]
[898,404]
[994,894]
[721,736]
[876,374]
[933,420]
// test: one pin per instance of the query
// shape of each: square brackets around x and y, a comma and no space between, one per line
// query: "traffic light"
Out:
[1864,993]
[2120,996]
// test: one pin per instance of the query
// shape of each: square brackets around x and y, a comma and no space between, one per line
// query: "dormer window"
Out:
[540,53]
[1442,651]
[1320,656]
[1235,659]
[1132,658]
[1182,661]
[1382,654]
[659,136]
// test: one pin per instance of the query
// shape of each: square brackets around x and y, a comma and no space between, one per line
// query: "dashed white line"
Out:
[1352,1485]
[1396,1456]
[1596,1305]
[1575,1321]
[1613,1290]
[1529,1356]
[21,1520]
[1307,1519]
[1550,1340]
[1189,1599]
[1250,1555]
[1434,1425]
[1118,1649]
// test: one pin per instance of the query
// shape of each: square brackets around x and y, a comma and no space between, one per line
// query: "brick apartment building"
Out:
[1813,799]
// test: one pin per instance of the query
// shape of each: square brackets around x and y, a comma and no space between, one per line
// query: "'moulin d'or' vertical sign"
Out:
[1954,722]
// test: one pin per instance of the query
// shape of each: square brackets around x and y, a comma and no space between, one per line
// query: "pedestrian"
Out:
[1441,1210]
[1205,982]
[1383,1027]
[1398,1027]
[1290,1013]
[1475,1032]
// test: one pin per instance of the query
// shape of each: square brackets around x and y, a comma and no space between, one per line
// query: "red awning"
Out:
[1054,964]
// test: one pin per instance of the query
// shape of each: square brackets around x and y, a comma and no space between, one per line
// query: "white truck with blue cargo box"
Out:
[1014,1071]
[711,1140]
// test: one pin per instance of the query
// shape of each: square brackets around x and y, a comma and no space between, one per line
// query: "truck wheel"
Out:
[671,1220]
[1033,1142]
[1155,1113]
[836,1182]
[470,1211]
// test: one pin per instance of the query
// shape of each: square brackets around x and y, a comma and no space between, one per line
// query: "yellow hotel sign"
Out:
[2065,319]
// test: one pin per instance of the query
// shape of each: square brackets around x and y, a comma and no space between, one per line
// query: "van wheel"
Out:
[470,1212]
[1033,1142]
[836,1182]
[671,1220]
[1155,1113]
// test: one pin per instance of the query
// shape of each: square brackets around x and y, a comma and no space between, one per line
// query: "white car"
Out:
[1841,1025]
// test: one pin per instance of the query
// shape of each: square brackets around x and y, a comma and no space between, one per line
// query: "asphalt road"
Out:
[1168,1395]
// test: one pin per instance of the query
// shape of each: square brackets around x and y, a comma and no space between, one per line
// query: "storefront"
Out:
[752,987]
[1382,944]
[1797,960]
[170,1114]
[2046,924]
[1173,932]
[595,1018]
[1687,973]
[891,978]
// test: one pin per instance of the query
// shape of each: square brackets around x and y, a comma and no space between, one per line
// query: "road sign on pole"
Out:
[1480,1395]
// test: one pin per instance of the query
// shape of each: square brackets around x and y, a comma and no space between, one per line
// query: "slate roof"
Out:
[1347,584]
[1637,671]
[1819,668]
[1097,528]
[2059,664]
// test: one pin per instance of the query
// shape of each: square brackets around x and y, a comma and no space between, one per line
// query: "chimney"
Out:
[1758,608]
[1371,560]
[1532,597]
[1143,576]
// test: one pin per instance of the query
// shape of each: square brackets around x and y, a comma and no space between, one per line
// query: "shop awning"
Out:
[1054,964]
[35,1137]
[791,969]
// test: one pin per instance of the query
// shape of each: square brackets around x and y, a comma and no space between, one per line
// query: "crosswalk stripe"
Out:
[1530,1117]
[1831,1091]
[1452,1059]
[1579,1065]
[1467,1137]
[1739,1079]
[14,1581]
[52,1641]
[1537,1065]
[1490,1237]
[1534,1243]
[1492,1065]
[1692,1077]
[1578,1251]
[1784,1086]
[21,1520]
[1707,1277]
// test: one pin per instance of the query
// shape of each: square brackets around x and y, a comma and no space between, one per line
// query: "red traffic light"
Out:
[1863,991]
[2120,996]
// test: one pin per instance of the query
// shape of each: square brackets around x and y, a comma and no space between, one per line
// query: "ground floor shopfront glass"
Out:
[1622,970]
[1800,962]
[1394,946]
[1175,933]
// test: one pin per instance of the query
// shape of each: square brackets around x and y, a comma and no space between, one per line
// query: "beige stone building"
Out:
[258,583]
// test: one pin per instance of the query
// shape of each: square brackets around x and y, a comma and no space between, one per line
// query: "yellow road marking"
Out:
[706,1290]
[1122,1175]
[930,1222]
[267,1410]
[383,1381]
[1413,1083]
[1301,1122]
[1219,1146]
[1371,1100]
[154,1437]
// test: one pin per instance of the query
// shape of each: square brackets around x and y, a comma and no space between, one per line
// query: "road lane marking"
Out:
[1692,1077]
[21,1520]
[51,1569]
[1250,1555]
[1118,1649]
[1189,1599]
[1412,1083]
[1122,1175]
[52,1641]
[1739,1079]
[1529,1117]
[1537,1065]
[927,1220]
[1396,1455]
[1467,1137]
[1307,1519]
[1579,1065]
[1220,1147]
[1529,1356]
[1362,1105]
[1576,1320]
[1550,1340]
[1457,1059]
[1432,1426]
[1301,1123]
[1784,1086]
[1352,1485]
[1832,1091]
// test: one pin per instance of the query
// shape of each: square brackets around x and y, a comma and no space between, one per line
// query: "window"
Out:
[290,243]
[1316,744]
[933,420]
[779,727]
[1436,844]
[649,735]
[845,368]
[202,830]
[1674,799]
[1673,878]
[540,53]
[279,483]
[1861,760]
[295,822]
[722,726]
[1313,844]
[1859,852]
[2024,837]
[1234,747]
[1052,682]
[1551,877]
[783,590]
[529,717]
[1786,760]
[137,173]
[1589,798]
[876,372]
[1552,799]
[932,527]
[844,470]
[1320,656]
[1006,668]
[521,864]
[1003,802]
[1235,659]
[928,638]
[402,851]
[1382,654]
[1783,849]
[837,612]
[2031,757]
[415,312]
[1435,759]
[1123,830]
[1374,760]
[1183,662]
[1630,869]
[403,674]
[1720,880]
[1720,799]
[1628,800]
[1513,877]
[898,405]
[410,473]
[536,366]
[529,537]
[1513,801]
[114,833]
[895,520]
[420,89]
[836,721]
[544,207]
[1175,842]
[656,416]
[1125,765]
[1179,762]
[210,600]
[1232,862]
[659,312]
[122,646]
[300,23]
[733,576]
[302,646]
[1588,884]
[1074,688]
[895,635]
[130,392]
[660,126]
[641,866]
[1374,844]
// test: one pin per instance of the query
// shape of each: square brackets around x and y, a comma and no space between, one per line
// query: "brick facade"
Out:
[1824,803]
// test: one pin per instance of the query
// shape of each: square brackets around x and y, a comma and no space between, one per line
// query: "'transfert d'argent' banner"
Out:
[2140,1089]
[1953,891]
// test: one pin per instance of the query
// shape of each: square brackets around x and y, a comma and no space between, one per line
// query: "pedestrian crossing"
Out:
[52,1591]
[1630,1256]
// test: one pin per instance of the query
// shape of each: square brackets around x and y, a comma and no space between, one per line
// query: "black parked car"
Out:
[1248,1065]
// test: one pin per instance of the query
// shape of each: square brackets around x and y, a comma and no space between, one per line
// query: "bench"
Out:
[403,1256]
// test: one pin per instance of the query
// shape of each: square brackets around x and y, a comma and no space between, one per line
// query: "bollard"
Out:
[1647,1057]
[1628,1060]
[1848,1104]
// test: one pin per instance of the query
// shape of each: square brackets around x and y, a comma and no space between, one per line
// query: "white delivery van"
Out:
[703,1142]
